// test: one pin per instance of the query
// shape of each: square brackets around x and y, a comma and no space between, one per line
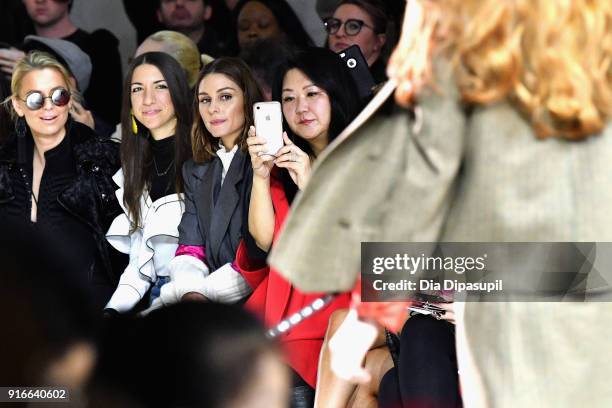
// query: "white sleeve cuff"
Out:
[225,285]
[187,274]
[124,299]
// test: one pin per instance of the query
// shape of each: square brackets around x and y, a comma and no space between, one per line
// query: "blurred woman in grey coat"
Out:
[513,143]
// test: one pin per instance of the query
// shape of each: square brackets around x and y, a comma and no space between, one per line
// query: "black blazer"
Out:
[218,226]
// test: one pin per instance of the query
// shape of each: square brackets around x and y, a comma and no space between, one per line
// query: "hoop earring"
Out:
[134,124]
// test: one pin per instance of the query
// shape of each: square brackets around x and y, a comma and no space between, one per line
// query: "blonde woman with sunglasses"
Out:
[55,173]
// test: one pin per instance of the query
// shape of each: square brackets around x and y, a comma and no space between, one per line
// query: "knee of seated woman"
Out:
[423,332]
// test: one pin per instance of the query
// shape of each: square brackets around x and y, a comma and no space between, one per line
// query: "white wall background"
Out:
[91,15]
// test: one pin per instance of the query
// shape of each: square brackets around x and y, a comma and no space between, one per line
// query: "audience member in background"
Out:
[269,19]
[51,19]
[143,17]
[14,22]
[217,187]
[230,4]
[223,23]
[192,18]
[47,314]
[79,67]
[364,23]
[14,26]
[318,101]
[145,20]
[201,354]
[56,172]
[395,9]
[156,122]
[264,57]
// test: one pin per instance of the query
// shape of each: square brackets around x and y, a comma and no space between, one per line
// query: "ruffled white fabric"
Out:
[150,247]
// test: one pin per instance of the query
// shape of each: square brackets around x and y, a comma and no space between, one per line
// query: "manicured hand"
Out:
[262,164]
[294,159]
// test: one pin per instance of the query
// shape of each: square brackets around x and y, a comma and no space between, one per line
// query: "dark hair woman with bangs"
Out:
[318,100]
[156,124]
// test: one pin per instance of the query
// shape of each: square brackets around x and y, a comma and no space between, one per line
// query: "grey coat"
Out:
[216,226]
[477,177]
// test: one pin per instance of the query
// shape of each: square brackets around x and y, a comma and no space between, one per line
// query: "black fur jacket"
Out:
[90,197]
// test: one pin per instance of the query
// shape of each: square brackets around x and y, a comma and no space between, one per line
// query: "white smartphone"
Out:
[269,125]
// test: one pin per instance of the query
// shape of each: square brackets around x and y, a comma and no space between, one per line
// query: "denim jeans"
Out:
[154,294]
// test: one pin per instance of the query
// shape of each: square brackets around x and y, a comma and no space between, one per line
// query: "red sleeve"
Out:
[253,274]
[280,204]
[251,270]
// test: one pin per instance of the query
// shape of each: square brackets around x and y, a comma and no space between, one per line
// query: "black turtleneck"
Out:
[163,180]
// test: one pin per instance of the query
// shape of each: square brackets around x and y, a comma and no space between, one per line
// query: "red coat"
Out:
[274,299]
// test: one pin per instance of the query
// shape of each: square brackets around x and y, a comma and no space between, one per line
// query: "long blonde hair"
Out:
[551,58]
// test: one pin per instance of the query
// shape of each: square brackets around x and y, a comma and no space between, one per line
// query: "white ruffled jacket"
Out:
[150,247]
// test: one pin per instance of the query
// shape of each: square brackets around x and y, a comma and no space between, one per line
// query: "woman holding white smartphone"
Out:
[217,187]
[318,100]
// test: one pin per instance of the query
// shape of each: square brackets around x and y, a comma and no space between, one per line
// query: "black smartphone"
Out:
[359,70]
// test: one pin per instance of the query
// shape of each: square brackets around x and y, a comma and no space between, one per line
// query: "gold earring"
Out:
[134,124]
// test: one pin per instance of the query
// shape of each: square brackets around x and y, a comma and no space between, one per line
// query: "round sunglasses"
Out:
[352,26]
[36,100]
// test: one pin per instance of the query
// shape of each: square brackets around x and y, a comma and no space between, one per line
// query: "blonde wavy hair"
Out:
[551,58]
[183,49]
[36,61]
